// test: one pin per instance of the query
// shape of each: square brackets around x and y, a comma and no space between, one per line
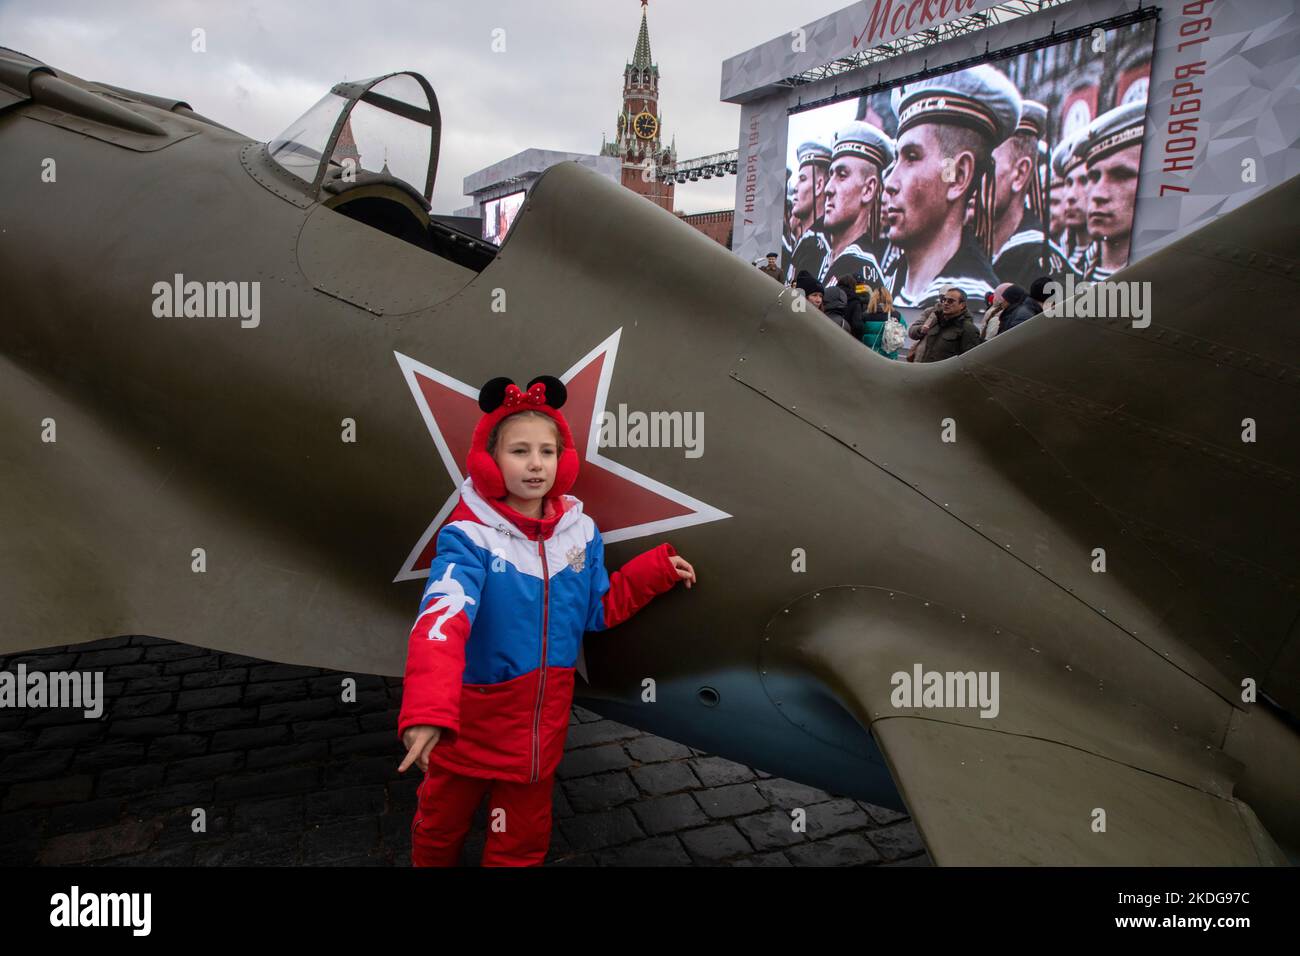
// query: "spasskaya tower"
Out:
[639,142]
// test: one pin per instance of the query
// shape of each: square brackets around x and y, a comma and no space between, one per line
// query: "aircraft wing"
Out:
[1062,768]
[983,797]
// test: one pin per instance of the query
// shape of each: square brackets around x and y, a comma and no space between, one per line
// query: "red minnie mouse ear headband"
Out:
[499,399]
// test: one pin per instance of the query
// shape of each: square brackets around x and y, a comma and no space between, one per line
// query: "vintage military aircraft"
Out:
[237,384]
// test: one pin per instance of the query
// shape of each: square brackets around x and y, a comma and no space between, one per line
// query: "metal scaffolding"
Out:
[702,167]
[1002,13]
[721,164]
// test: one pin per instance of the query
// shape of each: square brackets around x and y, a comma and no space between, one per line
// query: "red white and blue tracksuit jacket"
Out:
[491,656]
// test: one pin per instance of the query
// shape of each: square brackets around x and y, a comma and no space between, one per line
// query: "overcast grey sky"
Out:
[556,86]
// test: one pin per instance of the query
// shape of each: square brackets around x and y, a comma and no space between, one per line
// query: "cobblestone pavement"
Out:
[287,773]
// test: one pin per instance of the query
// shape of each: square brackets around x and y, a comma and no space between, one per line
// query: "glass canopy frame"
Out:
[363,91]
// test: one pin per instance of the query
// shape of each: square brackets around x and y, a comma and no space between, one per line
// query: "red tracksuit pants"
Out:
[518,823]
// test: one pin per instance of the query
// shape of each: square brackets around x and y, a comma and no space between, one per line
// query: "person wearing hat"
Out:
[948,127]
[813,290]
[1112,152]
[810,247]
[770,267]
[1023,249]
[853,194]
[1020,308]
[1068,167]
[518,577]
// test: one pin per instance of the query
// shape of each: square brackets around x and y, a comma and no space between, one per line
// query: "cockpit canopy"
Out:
[383,129]
[369,151]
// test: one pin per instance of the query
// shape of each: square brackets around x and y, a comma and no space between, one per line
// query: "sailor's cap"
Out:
[1033,118]
[1114,130]
[1068,154]
[980,98]
[865,141]
[814,152]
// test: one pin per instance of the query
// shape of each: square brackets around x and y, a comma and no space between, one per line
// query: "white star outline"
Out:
[700,512]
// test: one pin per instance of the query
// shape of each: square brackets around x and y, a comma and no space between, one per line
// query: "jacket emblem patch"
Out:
[577,558]
[451,603]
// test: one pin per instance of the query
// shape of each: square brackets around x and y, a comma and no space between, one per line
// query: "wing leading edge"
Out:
[1072,768]
[982,797]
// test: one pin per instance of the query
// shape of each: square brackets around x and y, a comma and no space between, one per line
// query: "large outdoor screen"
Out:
[499,214]
[1017,168]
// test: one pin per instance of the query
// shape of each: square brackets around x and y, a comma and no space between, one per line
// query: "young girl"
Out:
[518,577]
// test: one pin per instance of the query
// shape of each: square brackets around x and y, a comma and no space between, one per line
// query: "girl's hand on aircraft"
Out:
[684,570]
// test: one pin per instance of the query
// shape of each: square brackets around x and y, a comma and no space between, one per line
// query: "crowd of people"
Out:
[947,328]
[926,241]
[969,193]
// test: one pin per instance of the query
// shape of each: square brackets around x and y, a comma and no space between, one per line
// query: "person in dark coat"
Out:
[835,303]
[1020,308]
[948,330]
[1038,291]
[853,312]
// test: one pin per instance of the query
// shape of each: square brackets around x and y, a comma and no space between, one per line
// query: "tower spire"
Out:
[641,58]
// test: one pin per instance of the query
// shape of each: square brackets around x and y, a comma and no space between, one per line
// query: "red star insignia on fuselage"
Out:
[624,503]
